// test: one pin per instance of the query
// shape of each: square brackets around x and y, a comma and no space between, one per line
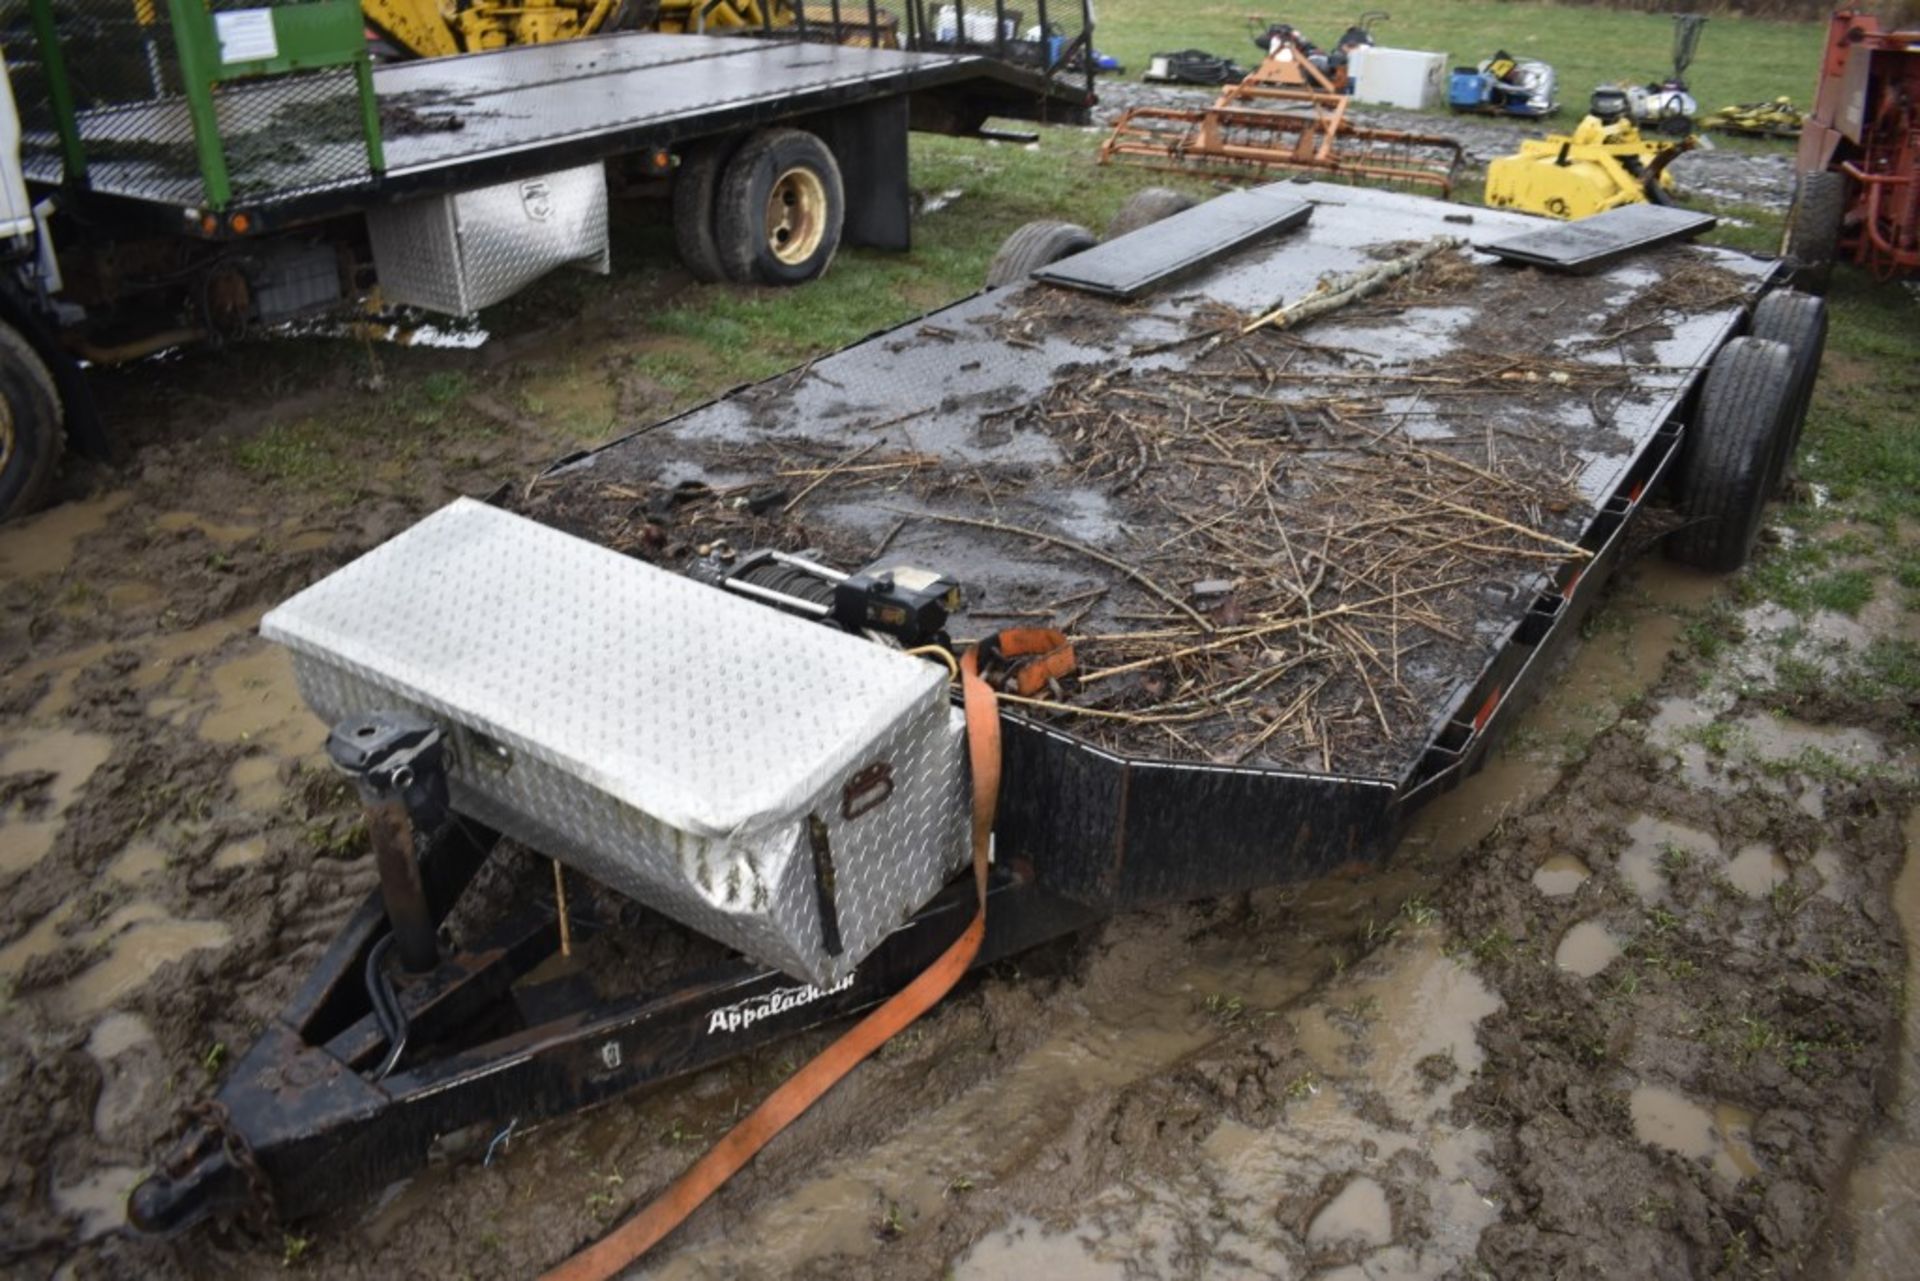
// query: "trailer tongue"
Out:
[1307,576]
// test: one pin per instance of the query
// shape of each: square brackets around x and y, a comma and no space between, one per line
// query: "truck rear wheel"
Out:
[1800,322]
[696,187]
[1146,207]
[780,209]
[1730,460]
[32,427]
[1813,228]
[1034,246]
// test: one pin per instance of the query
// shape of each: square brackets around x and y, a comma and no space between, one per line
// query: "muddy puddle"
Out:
[1878,1220]
[1359,1163]
[1293,1083]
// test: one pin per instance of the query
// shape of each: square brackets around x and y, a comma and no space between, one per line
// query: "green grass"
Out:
[710,337]
[1739,59]
[1863,437]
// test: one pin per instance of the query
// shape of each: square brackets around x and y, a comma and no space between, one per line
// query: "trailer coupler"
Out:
[308,1121]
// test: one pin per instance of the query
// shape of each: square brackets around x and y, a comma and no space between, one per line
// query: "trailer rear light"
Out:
[240,224]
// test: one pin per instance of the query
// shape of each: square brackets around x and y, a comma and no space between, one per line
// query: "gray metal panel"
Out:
[1594,242]
[443,112]
[461,252]
[668,739]
[947,385]
[1183,243]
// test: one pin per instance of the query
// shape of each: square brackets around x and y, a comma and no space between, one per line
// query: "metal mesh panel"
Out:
[118,66]
[282,134]
[289,134]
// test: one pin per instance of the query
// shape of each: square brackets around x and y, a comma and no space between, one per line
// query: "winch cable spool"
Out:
[1051,652]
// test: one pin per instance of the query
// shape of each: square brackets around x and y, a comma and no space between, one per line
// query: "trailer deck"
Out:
[1304,565]
[463,121]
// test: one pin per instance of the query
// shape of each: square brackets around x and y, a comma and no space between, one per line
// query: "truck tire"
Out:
[696,188]
[1800,322]
[1034,246]
[780,209]
[1146,207]
[1729,463]
[32,427]
[1813,228]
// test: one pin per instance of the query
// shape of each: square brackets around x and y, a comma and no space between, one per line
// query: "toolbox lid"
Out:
[703,710]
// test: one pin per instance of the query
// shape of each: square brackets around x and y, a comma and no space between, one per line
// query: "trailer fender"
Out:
[869,143]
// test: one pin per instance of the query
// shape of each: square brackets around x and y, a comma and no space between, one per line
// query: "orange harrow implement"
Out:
[1285,117]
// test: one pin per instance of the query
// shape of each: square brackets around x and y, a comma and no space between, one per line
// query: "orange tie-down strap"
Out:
[1046,652]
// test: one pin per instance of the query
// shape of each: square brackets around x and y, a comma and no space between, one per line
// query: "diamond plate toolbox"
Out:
[460,252]
[788,789]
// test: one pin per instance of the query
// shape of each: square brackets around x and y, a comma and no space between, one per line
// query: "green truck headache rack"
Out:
[193,102]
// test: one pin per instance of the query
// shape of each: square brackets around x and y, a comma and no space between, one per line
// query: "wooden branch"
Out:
[1335,294]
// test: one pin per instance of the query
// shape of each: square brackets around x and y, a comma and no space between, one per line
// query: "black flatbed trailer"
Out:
[1087,826]
[477,119]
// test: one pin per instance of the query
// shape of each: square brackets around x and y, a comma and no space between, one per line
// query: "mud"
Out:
[1382,1077]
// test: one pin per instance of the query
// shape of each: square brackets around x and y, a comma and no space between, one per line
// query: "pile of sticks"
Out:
[1290,614]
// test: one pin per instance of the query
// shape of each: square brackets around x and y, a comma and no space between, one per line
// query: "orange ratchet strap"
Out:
[1049,655]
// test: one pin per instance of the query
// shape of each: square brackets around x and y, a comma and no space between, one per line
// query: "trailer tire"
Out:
[1800,322]
[1033,246]
[696,189]
[1729,463]
[32,427]
[1813,228]
[780,210]
[1146,207]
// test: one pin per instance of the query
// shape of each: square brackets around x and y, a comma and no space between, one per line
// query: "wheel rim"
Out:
[6,435]
[796,215]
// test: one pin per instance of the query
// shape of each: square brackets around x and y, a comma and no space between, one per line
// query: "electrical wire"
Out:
[940,652]
[387,1010]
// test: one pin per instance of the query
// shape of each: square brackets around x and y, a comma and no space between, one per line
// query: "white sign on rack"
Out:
[246,35]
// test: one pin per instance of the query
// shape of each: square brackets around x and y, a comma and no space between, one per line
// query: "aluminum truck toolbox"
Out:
[790,790]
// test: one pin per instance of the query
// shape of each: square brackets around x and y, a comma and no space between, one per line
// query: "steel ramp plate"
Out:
[687,747]
[1592,243]
[1162,251]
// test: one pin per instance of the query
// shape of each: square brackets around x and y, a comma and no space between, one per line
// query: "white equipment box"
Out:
[788,789]
[1415,79]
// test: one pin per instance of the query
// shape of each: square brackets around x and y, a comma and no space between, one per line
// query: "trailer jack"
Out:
[305,1122]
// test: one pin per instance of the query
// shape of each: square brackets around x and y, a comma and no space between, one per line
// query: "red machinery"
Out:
[1859,155]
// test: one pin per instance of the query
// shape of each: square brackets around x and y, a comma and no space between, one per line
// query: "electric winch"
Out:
[895,604]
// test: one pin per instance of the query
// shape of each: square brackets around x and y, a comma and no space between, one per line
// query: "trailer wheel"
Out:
[1799,321]
[780,209]
[1146,207]
[1034,246]
[1813,228]
[32,430]
[696,188]
[1730,460]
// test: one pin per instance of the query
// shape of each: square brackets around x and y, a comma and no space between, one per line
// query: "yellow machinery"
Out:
[1604,163]
[439,28]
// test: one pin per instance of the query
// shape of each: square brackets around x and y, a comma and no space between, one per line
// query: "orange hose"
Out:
[620,1248]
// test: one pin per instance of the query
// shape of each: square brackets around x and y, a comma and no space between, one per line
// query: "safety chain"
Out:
[214,1119]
